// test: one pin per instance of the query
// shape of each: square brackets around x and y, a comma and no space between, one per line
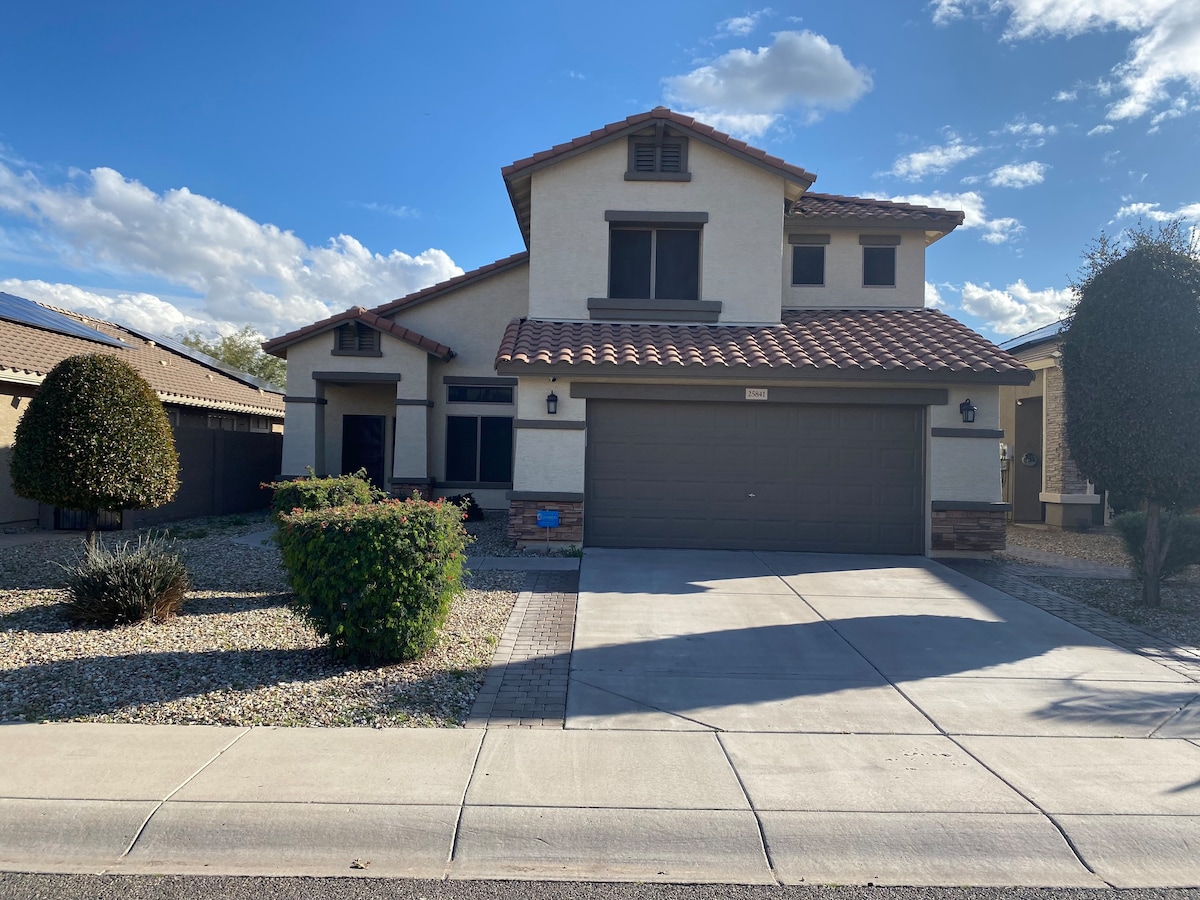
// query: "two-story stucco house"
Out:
[694,350]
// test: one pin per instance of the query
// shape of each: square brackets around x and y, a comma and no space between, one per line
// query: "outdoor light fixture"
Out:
[968,410]
[552,403]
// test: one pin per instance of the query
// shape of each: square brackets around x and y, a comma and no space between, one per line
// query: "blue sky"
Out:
[206,166]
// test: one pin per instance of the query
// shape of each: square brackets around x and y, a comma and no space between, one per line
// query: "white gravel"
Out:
[235,656]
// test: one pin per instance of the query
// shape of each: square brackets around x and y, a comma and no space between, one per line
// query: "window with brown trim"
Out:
[356,339]
[654,263]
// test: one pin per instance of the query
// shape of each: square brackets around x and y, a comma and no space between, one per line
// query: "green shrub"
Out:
[1182,530]
[124,584]
[322,493]
[376,580]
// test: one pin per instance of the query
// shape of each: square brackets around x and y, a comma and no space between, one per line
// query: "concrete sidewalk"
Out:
[729,717]
[600,805]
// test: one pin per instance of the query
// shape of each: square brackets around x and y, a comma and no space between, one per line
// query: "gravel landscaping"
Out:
[236,655]
[1177,620]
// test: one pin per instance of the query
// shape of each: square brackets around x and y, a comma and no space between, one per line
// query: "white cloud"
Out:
[933,160]
[1016,309]
[243,271]
[1066,96]
[740,26]
[800,70]
[1018,175]
[1101,129]
[399,212]
[1031,129]
[1189,212]
[994,231]
[1164,51]
[933,297]
[145,312]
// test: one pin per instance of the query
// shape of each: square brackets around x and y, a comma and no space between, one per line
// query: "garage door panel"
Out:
[824,478]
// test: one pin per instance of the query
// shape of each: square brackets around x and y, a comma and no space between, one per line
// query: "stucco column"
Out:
[410,449]
[304,434]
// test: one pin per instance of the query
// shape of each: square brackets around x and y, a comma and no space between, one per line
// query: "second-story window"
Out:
[879,259]
[654,263]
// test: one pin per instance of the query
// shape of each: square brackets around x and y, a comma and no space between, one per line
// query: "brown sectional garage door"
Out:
[755,476]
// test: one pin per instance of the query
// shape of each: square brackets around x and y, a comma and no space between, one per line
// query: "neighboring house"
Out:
[227,424]
[1040,479]
[694,351]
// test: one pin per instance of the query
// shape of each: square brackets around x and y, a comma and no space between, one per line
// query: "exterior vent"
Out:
[356,338]
[643,158]
[672,157]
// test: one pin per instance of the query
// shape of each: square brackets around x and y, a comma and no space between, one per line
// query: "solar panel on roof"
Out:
[205,360]
[1045,333]
[26,312]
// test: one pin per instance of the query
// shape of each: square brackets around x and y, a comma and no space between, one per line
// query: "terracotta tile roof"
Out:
[359,314]
[913,344]
[436,290]
[832,206]
[29,353]
[682,121]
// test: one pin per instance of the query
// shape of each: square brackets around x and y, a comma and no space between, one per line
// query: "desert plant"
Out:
[126,584]
[323,493]
[376,580]
[1180,535]
[95,436]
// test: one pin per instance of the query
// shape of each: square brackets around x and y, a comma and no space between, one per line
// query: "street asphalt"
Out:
[738,718]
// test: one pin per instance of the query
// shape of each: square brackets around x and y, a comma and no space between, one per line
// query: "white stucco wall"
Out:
[843,286]
[531,400]
[740,245]
[549,460]
[966,468]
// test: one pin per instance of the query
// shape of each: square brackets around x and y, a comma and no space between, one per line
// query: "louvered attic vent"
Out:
[659,157]
[356,339]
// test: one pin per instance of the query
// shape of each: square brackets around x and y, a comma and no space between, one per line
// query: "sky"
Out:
[181,167]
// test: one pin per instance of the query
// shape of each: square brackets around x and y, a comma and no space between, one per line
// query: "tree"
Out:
[1131,373]
[95,437]
[242,350]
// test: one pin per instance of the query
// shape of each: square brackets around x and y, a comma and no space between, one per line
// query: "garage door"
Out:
[747,476]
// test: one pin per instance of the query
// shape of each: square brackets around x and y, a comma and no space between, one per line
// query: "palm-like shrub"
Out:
[126,584]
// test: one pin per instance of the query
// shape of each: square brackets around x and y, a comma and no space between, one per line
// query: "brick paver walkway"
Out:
[527,684]
[1007,578]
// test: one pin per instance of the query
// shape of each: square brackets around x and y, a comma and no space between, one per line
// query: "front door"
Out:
[1026,464]
[363,446]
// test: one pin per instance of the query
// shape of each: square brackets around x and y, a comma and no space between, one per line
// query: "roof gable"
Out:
[278,346]
[517,175]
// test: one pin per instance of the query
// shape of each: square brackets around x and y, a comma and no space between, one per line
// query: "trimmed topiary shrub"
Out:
[376,580]
[95,436]
[1182,531]
[124,584]
[323,493]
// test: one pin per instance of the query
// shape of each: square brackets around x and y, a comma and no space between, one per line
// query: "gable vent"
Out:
[672,157]
[643,158]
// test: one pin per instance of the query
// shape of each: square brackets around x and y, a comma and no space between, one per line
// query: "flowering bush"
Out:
[322,493]
[376,580]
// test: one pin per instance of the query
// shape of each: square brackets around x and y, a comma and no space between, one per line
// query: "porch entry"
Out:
[363,446]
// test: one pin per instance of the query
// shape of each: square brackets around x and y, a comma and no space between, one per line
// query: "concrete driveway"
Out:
[897,700]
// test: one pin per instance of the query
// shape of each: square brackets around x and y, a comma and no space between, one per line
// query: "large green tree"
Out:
[1131,370]
[242,350]
[95,436]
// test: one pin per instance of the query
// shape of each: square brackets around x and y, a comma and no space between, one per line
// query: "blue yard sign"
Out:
[547,518]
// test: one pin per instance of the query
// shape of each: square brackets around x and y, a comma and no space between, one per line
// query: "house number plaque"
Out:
[756,393]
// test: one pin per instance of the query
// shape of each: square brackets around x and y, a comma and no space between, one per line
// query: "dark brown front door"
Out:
[1026,464]
[748,476]
[363,442]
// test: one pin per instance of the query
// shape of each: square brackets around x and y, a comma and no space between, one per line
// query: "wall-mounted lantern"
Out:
[968,410]
[552,403]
